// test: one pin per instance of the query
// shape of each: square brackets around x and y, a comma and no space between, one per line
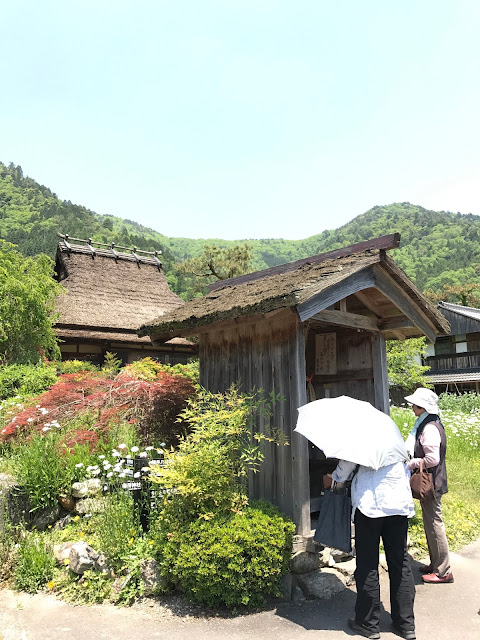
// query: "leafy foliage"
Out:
[25,380]
[104,402]
[216,263]
[209,468]
[234,559]
[438,248]
[34,564]
[27,298]
[404,369]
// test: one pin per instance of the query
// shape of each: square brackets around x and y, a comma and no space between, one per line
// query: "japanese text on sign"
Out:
[325,354]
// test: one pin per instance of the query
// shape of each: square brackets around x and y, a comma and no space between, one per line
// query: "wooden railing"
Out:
[454,362]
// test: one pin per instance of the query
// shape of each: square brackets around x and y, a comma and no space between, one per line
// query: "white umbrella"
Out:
[352,430]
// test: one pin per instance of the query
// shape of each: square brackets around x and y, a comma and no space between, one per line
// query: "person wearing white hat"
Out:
[428,443]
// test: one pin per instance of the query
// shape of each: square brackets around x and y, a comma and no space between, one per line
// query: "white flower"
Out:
[46,429]
[95,472]
[79,465]
[143,454]
[109,474]
[29,419]
[134,449]
[101,457]
[148,448]
[122,446]
[116,454]
[137,474]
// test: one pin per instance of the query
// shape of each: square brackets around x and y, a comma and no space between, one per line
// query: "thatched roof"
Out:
[292,288]
[109,294]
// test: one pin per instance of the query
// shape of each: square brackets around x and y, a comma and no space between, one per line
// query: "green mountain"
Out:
[437,247]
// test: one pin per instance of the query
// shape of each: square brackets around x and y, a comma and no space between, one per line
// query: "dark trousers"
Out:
[393,531]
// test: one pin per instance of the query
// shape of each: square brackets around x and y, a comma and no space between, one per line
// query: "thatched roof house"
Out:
[108,294]
[310,329]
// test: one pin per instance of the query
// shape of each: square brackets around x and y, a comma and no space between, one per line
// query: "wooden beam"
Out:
[343,304]
[390,241]
[398,334]
[346,319]
[397,295]
[365,300]
[363,279]
[345,376]
[398,322]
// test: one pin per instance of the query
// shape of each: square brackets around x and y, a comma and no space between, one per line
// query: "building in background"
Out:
[454,360]
[109,294]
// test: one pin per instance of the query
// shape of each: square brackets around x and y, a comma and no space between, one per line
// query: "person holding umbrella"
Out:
[428,443]
[370,450]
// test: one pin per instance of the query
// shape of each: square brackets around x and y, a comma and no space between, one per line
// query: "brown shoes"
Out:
[433,578]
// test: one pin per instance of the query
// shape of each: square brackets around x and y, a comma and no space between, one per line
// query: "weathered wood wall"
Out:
[267,352]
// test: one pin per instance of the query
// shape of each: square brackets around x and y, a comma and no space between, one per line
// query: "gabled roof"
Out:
[307,289]
[462,319]
[109,293]
[468,312]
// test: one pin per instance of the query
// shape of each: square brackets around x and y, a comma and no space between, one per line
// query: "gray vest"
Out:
[440,471]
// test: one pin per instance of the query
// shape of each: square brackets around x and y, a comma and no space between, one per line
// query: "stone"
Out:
[62,552]
[46,517]
[297,594]
[313,547]
[101,565]
[82,557]
[347,569]
[67,503]
[298,543]
[62,523]
[287,587]
[151,577]
[304,562]
[89,505]
[321,584]
[14,502]
[326,558]
[88,488]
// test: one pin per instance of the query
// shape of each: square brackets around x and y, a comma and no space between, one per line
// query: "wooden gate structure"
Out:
[318,324]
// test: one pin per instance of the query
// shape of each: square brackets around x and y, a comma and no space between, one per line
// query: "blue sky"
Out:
[244,119]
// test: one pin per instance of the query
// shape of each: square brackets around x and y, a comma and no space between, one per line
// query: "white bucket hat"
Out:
[424,398]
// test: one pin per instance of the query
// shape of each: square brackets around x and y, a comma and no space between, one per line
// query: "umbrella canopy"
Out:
[352,430]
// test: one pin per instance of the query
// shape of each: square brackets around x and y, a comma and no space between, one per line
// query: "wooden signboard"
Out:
[325,354]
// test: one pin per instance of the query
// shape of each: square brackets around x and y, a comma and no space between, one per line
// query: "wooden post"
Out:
[380,373]
[299,444]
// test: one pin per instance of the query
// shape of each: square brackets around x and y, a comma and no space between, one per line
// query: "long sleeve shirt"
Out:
[385,492]
[430,441]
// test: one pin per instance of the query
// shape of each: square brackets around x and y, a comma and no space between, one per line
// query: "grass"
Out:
[461,505]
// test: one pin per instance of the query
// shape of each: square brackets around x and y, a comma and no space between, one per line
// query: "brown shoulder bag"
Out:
[421,483]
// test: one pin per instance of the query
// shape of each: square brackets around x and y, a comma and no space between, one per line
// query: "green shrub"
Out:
[74,366]
[34,564]
[208,471]
[25,379]
[234,559]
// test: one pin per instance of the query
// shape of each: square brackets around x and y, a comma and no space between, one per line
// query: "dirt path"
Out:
[442,612]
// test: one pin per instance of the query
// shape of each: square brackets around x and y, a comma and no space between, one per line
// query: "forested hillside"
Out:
[437,248]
